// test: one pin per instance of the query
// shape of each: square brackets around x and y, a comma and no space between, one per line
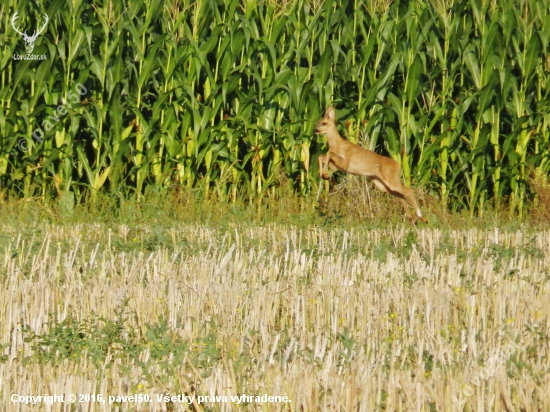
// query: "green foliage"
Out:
[100,340]
[73,339]
[223,95]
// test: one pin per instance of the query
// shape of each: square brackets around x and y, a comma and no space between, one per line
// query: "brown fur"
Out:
[350,158]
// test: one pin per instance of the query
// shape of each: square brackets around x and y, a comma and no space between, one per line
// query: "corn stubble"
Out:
[336,320]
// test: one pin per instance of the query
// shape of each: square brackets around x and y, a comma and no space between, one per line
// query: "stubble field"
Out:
[331,319]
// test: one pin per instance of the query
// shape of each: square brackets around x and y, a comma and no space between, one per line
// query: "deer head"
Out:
[29,40]
[327,124]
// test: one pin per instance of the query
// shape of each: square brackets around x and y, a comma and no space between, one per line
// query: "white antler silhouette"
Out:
[29,40]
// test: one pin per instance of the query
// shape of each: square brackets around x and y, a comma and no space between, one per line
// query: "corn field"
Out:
[222,96]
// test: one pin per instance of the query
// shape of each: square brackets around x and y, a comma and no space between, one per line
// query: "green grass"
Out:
[347,202]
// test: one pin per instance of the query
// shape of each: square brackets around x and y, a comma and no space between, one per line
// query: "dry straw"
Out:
[337,320]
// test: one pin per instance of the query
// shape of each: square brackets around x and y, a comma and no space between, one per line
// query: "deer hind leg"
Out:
[394,186]
[406,208]
[404,192]
[408,193]
[381,185]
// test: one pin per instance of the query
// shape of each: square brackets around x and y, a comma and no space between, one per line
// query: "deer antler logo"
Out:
[29,40]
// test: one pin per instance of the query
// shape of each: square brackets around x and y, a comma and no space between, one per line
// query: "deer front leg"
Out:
[327,162]
[323,164]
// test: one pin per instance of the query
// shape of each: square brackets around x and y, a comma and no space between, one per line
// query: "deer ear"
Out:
[331,113]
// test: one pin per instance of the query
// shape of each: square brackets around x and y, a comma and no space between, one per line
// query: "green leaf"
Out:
[380,84]
[470,59]
[532,55]
[42,73]
[150,62]
[413,79]
[323,69]
[486,95]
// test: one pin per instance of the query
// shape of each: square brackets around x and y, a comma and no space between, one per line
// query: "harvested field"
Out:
[335,320]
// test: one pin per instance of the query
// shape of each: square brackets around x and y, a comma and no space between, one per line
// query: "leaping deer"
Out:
[351,158]
[29,40]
